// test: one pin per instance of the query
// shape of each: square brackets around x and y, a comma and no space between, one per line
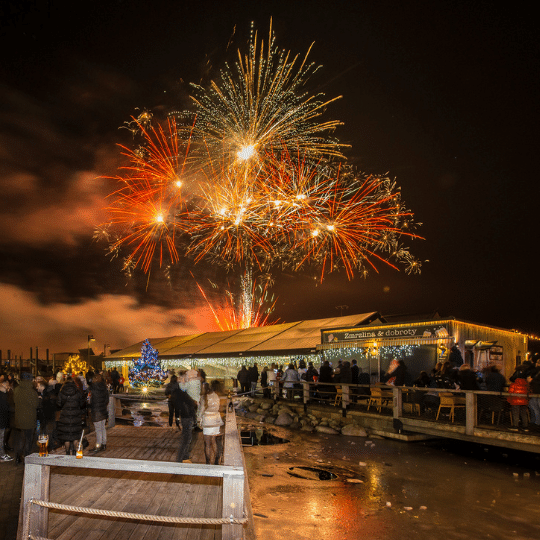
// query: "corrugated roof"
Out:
[272,338]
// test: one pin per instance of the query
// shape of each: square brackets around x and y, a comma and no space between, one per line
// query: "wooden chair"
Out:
[378,398]
[452,402]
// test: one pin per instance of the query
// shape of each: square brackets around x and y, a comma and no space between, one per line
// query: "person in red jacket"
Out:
[519,403]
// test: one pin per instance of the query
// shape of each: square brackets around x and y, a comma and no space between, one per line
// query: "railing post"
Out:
[305,394]
[344,398]
[470,412]
[112,411]
[397,405]
[233,485]
[35,486]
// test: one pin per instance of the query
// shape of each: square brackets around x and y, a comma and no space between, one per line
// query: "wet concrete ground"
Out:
[391,490]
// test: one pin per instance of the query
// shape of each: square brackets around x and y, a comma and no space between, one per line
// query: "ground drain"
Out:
[260,437]
[311,473]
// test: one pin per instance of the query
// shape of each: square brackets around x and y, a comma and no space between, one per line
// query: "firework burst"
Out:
[261,104]
[254,183]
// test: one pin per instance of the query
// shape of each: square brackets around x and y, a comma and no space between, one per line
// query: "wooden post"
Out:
[344,398]
[233,485]
[35,486]
[398,401]
[233,505]
[112,411]
[470,412]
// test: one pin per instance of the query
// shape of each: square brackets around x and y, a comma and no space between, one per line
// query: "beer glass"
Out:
[43,445]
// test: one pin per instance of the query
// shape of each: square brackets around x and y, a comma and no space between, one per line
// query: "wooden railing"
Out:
[38,470]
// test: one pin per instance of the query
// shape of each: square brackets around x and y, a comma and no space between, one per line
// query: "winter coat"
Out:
[99,401]
[170,388]
[290,377]
[71,403]
[243,376]
[253,374]
[467,380]
[520,388]
[26,404]
[345,373]
[4,411]
[184,404]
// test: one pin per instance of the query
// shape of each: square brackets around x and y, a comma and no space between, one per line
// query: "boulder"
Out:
[270,419]
[284,419]
[353,430]
[253,407]
[326,429]
[255,416]
[266,405]
[307,427]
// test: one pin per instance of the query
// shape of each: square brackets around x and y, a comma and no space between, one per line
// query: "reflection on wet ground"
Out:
[391,490]
[311,473]
[259,436]
[144,413]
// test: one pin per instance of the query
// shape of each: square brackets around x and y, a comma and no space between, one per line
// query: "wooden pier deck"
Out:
[160,494]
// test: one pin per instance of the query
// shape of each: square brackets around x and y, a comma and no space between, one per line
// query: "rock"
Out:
[266,405]
[295,425]
[284,419]
[255,416]
[353,430]
[326,429]
[164,414]
[307,427]
[270,420]
[253,408]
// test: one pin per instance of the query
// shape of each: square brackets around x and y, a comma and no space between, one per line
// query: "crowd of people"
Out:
[282,380]
[59,407]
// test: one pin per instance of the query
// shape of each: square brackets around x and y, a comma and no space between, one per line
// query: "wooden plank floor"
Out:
[157,494]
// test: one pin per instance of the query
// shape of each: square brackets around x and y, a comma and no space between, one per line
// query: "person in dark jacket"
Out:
[71,403]
[4,417]
[244,380]
[253,378]
[534,402]
[170,387]
[26,403]
[99,401]
[187,408]
[467,378]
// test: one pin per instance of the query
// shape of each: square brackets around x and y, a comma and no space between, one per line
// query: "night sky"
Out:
[441,95]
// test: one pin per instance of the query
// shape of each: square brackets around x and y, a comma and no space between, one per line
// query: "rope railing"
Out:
[130,515]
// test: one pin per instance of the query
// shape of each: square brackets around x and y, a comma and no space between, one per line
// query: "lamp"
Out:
[90,338]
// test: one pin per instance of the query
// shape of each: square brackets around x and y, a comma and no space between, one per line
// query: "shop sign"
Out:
[413,332]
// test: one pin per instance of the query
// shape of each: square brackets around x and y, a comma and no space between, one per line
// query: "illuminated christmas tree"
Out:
[147,371]
[74,364]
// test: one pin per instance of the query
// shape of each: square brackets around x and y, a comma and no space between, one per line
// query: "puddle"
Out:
[144,413]
[259,437]
[311,473]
